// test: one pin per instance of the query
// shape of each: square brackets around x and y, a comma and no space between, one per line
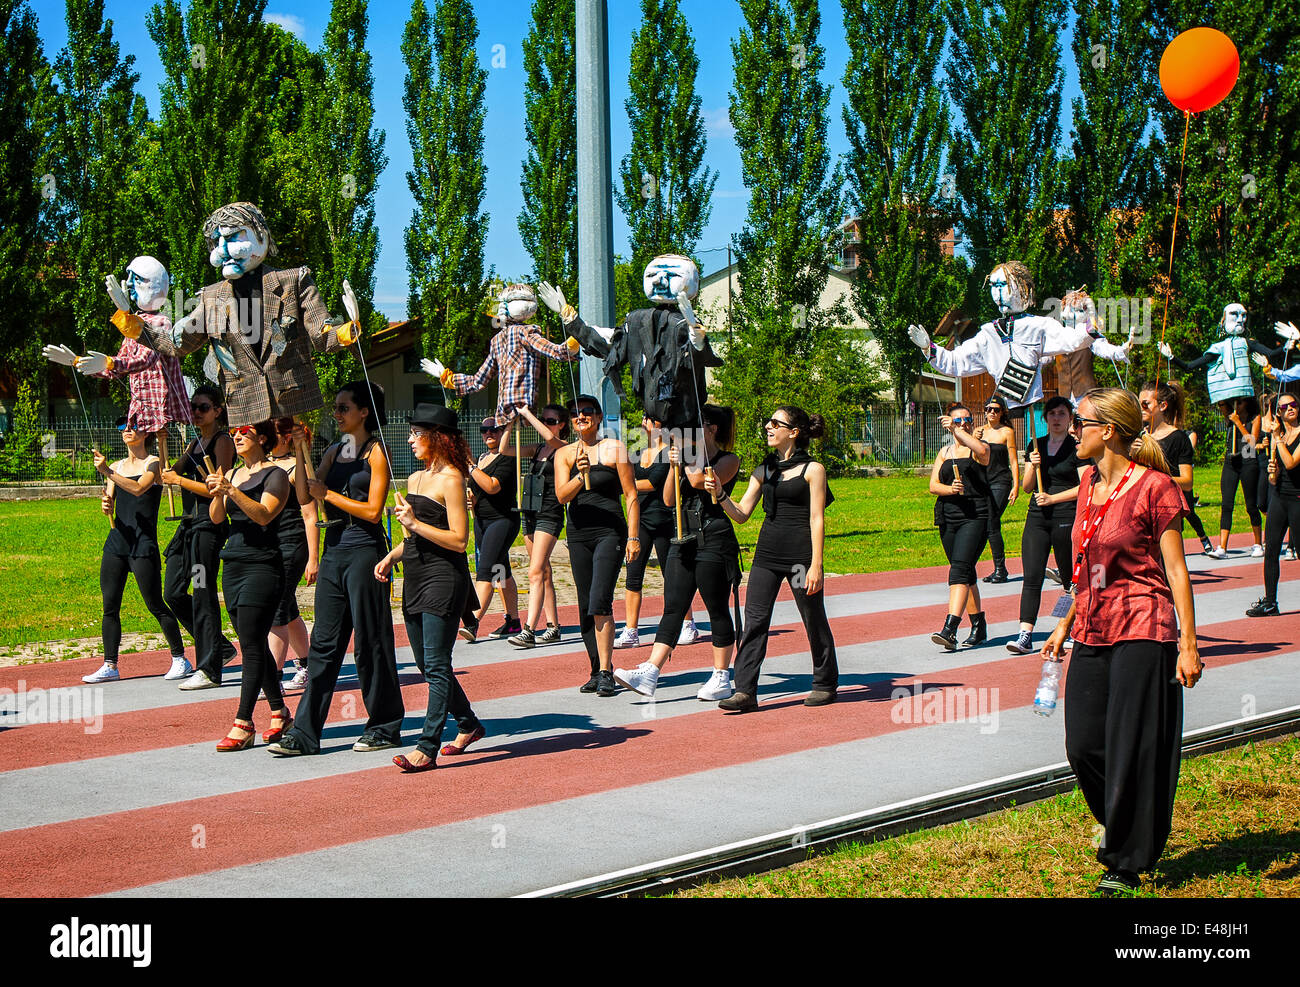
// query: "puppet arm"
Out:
[964,361]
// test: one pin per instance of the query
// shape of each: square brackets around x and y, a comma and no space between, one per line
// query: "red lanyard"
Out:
[1090,527]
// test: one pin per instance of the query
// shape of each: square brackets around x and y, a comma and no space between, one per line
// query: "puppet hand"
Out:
[1164,349]
[1261,361]
[572,344]
[350,303]
[688,313]
[920,337]
[433,368]
[1128,343]
[191,323]
[348,333]
[60,354]
[1287,330]
[117,292]
[94,362]
[551,296]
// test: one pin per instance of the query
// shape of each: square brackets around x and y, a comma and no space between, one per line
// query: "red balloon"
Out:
[1199,69]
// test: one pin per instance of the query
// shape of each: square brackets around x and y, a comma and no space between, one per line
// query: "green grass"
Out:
[50,549]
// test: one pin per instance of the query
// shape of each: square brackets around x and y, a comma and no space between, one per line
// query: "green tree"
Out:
[443,97]
[664,189]
[1005,77]
[896,119]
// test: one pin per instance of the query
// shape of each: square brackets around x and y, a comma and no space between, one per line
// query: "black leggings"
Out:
[660,539]
[1284,512]
[595,565]
[112,582]
[684,574]
[259,674]
[997,501]
[1194,520]
[193,558]
[492,541]
[760,597]
[963,543]
[1246,472]
[1040,536]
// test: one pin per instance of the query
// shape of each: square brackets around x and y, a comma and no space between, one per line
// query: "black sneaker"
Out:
[550,635]
[369,742]
[469,632]
[1263,608]
[509,628]
[592,683]
[1023,644]
[524,639]
[1053,575]
[287,746]
[605,683]
[1118,882]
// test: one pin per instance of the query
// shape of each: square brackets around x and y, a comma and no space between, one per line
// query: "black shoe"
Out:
[947,638]
[820,697]
[469,632]
[740,702]
[979,630]
[593,683]
[1053,575]
[1118,883]
[287,746]
[369,742]
[1264,608]
[999,573]
[605,683]
[508,629]
[228,654]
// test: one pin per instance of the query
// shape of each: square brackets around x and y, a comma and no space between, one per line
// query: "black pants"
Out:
[1284,512]
[112,583]
[259,675]
[1123,726]
[963,543]
[431,640]
[997,501]
[193,558]
[1194,520]
[660,539]
[492,541]
[1041,536]
[684,574]
[760,597]
[596,565]
[1246,472]
[350,601]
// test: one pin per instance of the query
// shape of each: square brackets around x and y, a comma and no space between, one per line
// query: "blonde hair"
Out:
[1118,408]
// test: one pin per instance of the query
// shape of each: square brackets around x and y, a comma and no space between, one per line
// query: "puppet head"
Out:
[1012,287]
[1234,319]
[238,239]
[147,283]
[1079,311]
[516,303]
[668,274]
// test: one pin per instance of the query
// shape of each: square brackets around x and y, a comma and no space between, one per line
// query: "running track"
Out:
[565,786]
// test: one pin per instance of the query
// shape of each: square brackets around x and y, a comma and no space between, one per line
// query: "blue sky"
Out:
[505,22]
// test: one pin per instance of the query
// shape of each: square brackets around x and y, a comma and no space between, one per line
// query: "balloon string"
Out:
[1173,236]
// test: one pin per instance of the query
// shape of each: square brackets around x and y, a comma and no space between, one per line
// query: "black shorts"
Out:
[549,521]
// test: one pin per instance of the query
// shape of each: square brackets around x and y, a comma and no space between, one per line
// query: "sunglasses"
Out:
[992,408]
[1078,423]
[587,413]
[491,429]
[1285,407]
[124,427]
[966,420]
[243,430]
[552,421]
[775,423]
[201,408]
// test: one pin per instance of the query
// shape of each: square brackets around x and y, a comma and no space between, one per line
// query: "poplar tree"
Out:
[443,97]
[664,188]
[897,120]
[1005,78]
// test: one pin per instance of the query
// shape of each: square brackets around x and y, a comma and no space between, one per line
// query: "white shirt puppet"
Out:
[1012,347]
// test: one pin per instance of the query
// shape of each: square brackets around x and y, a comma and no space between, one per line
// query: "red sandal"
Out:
[275,733]
[227,744]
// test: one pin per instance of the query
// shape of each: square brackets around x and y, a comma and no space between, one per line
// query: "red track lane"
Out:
[196,722]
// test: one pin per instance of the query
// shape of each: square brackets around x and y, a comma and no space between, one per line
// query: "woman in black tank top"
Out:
[656,529]
[708,562]
[300,550]
[794,493]
[437,581]
[131,498]
[352,481]
[251,498]
[1004,478]
[1284,507]
[960,481]
[590,476]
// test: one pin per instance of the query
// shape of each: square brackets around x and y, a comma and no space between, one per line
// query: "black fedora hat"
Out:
[434,416]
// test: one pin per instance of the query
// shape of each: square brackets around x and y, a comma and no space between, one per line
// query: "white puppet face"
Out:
[516,303]
[239,250]
[1006,295]
[147,283]
[669,274]
[1234,319]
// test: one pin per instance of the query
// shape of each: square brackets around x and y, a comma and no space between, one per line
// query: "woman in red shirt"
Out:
[1123,704]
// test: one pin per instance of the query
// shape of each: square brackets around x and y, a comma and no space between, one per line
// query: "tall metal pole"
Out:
[595,193]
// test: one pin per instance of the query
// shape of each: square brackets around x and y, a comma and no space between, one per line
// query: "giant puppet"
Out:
[262,323]
[665,346]
[1079,319]
[1227,359]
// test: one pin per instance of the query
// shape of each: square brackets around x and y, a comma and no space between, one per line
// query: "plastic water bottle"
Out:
[1048,687]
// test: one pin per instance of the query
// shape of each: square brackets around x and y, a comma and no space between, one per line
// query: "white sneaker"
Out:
[641,680]
[690,633]
[181,668]
[106,673]
[628,638]
[1217,553]
[1257,552]
[299,680]
[199,680]
[718,686]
